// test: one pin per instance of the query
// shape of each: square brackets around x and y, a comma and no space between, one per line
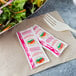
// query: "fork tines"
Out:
[50,20]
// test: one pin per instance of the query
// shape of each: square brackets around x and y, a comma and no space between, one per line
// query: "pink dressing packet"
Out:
[49,42]
[32,48]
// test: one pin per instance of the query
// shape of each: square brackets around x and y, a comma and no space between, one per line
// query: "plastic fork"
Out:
[57,25]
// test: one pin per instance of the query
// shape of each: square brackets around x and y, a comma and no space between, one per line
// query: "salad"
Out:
[14,11]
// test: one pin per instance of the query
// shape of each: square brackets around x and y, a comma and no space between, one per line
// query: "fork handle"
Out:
[72,30]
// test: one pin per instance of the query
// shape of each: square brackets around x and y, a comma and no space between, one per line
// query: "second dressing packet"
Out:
[49,42]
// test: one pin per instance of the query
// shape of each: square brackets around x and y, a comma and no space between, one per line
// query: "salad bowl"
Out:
[13,12]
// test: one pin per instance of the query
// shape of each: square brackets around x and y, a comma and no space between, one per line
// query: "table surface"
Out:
[67,10]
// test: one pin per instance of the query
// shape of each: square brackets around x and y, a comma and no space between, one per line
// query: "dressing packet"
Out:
[32,48]
[49,42]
